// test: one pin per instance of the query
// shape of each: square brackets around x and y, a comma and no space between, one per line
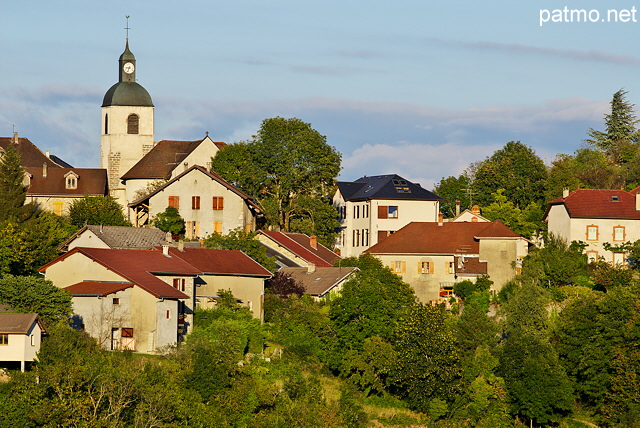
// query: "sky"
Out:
[417,88]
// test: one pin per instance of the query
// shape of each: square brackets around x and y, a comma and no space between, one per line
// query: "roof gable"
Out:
[221,262]
[30,155]
[384,187]
[164,157]
[18,323]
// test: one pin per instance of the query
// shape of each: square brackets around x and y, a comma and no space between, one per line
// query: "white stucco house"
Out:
[20,338]
[597,217]
[372,208]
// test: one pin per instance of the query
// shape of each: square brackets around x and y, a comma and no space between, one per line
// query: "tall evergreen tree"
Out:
[13,192]
[619,140]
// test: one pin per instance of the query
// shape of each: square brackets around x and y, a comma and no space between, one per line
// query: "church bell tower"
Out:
[127,125]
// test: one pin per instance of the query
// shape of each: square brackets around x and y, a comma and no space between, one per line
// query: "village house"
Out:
[296,249]
[208,204]
[20,337]
[320,282]
[372,208]
[118,237]
[597,217]
[433,256]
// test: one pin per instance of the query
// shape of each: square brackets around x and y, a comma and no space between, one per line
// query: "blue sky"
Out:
[417,88]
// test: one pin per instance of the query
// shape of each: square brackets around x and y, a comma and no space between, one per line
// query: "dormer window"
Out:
[71,180]
[615,198]
[26,181]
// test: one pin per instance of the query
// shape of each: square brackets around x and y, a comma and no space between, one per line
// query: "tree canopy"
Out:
[291,171]
[12,187]
[97,210]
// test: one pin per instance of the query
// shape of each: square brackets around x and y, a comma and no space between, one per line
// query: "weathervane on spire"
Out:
[127,26]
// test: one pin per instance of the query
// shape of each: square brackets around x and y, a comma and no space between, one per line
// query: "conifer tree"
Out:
[13,192]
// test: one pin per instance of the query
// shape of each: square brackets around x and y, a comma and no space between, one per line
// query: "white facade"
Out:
[21,347]
[364,223]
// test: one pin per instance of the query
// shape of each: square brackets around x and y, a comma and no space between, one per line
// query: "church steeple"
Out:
[127,63]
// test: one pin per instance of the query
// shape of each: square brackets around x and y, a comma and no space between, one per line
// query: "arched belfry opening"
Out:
[133,124]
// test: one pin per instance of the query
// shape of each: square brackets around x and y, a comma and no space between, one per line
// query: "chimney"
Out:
[48,154]
[44,170]
[475,209]
[440,219]
[15,139]
[313,241]
[565,193]
[181,245]
[165,250]
[638,201]
[457,208]
[311,268]
[168,237]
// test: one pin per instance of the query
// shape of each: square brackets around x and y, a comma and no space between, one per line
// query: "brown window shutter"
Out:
[404,267]
[174,201]
[382,211]
[382,235]
[431,267]
[221,203]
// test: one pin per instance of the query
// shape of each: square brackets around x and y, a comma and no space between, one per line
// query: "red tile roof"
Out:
[91,181]
[97,288]
[444,238]
[138,266]
[163,158]
[599,203]
[220,262]
[298,243]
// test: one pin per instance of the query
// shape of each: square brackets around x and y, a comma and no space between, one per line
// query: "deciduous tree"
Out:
[97,210]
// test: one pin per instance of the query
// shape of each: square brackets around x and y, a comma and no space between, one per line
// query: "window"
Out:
[127,332]
[57,208]
[446,291]
[195,202]
[168,314]
[356,238]
[4,339]
[425,267]
[398,267]
[592,256]
[217,227]
[365,237]
[106,123]
[451,267]
[393,212]
[116,300]
[218,202]
[365,211]
[133,124]
[180,284]
[192,229]
[71,180]
[174,201]
[33,340]
[592,233]
[618,259]
[618,233]
[356,211]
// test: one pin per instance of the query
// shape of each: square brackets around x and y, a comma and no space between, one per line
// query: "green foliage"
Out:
[290,169]
[35,295]
[526,222]
[619,140]
[563,174]
[427,365]
[515,168]
[370,368]
[605,276]
[556,264]
[369,305]
[238,239]
[169,221]
[283,286]
[464,289]
[351,408]
[453,189]
[474,329]
[97,210]
[12,188]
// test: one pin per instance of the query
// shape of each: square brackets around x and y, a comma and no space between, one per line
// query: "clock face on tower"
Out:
[128,68]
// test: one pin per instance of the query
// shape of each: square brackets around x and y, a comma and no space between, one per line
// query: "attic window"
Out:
[71,180]
[397,182]
[615,198]
[403,190]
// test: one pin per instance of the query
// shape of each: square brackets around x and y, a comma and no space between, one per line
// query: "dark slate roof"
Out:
[599,203]
[384,187]
[123,237]
[163,158]
[96,288]
[470,266]
[60,162]
[91,181]
[17,323]
[212,175]
[127,94]
[444,238]
[30,154]
[299,244]
[220,262]
[320,281]
[138,267]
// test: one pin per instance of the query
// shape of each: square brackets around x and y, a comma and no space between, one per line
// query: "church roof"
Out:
[127,94]
[163,158]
